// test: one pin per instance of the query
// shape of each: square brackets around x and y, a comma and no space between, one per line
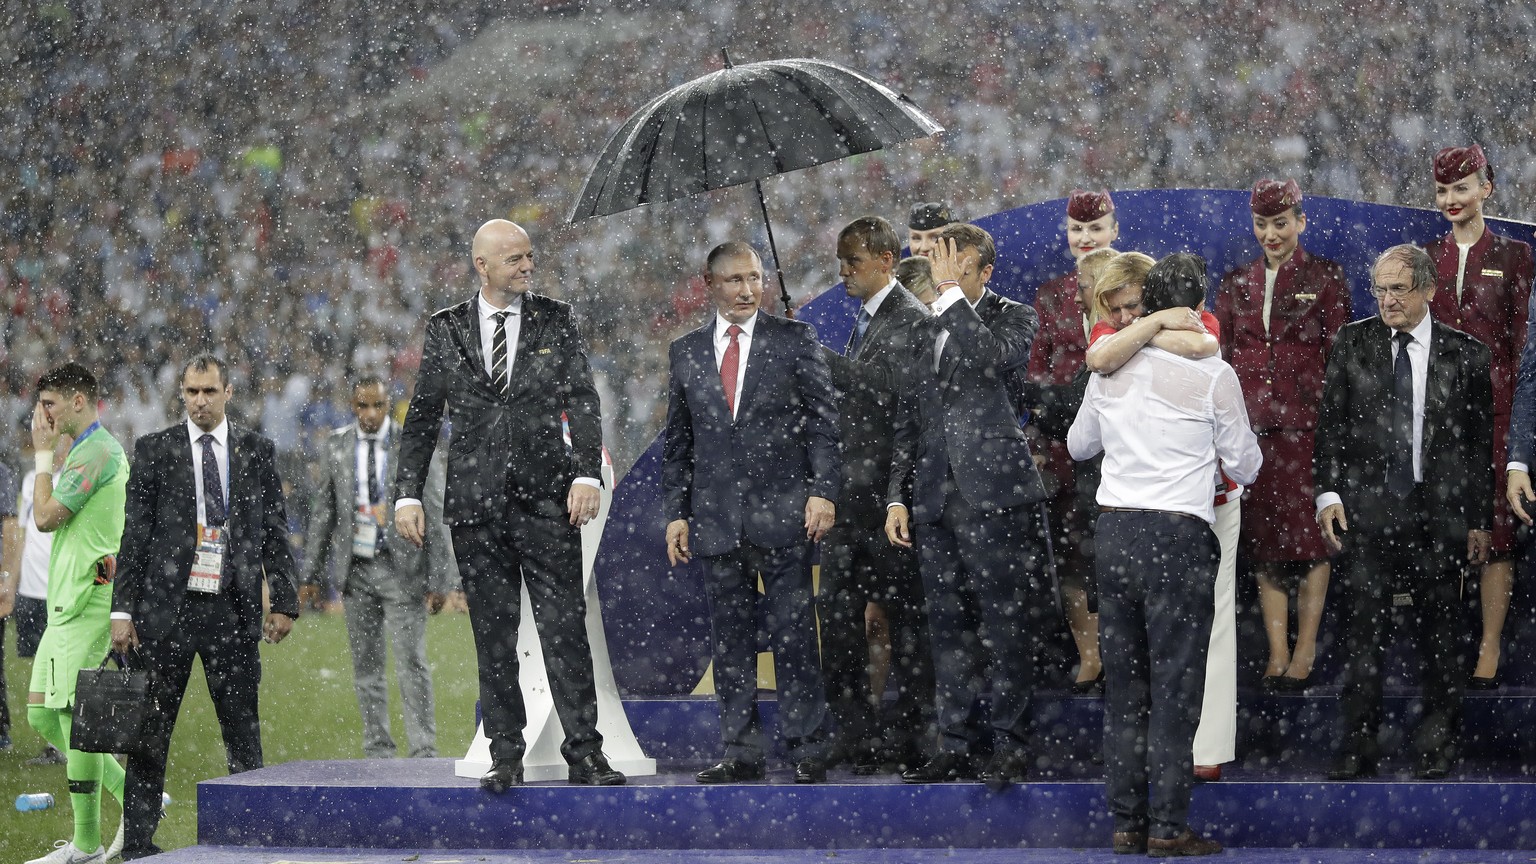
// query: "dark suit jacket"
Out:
[160,536]
[963,420]
[334,509]
[1354,428]
[502,439]
[749,479]
[866,385]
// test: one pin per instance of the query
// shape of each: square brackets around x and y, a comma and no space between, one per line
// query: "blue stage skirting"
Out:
[420,804]
[1264,801]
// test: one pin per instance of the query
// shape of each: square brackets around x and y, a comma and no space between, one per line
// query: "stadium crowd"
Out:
[212,173]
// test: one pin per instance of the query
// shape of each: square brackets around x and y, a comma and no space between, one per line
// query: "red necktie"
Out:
[728,366]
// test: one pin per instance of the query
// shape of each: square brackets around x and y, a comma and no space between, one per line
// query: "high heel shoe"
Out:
[1477,682]
[1091,687]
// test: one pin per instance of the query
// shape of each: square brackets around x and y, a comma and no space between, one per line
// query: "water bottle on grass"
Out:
[34,801]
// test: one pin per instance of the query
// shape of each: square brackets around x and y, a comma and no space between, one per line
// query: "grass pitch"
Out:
[308,711]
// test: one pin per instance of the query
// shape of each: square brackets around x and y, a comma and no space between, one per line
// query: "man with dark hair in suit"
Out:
[962,466]
[505,367]
[750,478]
[206,526]
[864,576]
[1403,471]
[387,585]
[1157,559]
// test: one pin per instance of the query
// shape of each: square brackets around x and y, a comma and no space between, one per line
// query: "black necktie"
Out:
[213,487]
[499,352]
[373,470]
[1400,463]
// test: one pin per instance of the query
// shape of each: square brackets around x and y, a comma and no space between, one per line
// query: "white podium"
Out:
[543,735]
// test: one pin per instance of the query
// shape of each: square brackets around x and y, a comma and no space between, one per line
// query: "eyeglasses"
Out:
[1396,291]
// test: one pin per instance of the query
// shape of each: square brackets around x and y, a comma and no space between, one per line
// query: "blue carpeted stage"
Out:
[1262,803]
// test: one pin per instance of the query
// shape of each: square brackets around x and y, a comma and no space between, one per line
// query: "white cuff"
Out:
[894,504]
[1328,499]
[1518,466]
[406,502]
[121,616]
[588,481]
[950,297]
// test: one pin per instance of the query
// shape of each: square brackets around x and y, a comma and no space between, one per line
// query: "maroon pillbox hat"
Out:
[1088,206]
[1271,197]
[1454,163]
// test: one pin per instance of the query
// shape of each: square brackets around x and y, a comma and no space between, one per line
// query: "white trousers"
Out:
[1216,737]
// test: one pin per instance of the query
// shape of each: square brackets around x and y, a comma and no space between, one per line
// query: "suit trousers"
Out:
[988,604]
[859,566]
[1157,576]
[529,545]
[731,581]
[377,609]
[207,626]
[1406,557]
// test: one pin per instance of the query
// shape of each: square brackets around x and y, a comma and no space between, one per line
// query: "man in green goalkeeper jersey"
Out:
[80,496]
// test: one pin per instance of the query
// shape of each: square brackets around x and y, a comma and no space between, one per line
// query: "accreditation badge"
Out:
[207,575]
[365,532]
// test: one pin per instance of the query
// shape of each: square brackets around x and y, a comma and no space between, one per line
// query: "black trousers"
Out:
[859,566]
[1409,558]
[207,627]
[1157,581]
[536,544]
[988,602]
[731,581]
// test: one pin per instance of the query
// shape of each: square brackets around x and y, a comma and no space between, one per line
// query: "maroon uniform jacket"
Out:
[1282,371]
[1282,377]
[1058,353]
[1495,295]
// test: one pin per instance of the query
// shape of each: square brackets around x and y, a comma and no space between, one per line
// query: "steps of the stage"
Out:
[413,804]
[1499,726]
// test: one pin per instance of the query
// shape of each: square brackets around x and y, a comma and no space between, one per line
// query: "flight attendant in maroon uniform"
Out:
[1279,314]
[1054,359]
[1482,287]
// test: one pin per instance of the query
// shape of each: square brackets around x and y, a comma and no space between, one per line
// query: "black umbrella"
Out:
[742,124]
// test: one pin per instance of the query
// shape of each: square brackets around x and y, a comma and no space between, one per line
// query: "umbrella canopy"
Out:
[742,124]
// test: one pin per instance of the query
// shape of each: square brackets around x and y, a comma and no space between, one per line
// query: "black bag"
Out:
[110,707]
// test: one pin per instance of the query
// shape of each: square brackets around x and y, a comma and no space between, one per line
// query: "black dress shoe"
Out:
[136,854]
[1432,766]
[1129,842]
[943,768]
[730,771]
[502,776]
[1005,769]
[810,771]
[593,770]
[1352,766]
[865,762]
[1186,844]
[1479,683]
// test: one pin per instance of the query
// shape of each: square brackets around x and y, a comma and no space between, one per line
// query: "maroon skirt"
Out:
[1280,508]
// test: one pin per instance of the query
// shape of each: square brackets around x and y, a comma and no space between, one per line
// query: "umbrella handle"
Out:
[789,311]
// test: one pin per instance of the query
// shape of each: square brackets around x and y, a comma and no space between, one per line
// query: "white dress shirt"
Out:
[1163,422]
[744,343]
[872,305]
[220,454]
[1271,275]
[514,327]
[380,460]
[1418,354]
